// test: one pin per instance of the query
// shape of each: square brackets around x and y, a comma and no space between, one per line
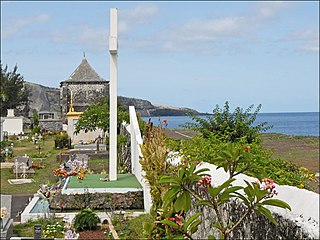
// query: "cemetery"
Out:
[158,189]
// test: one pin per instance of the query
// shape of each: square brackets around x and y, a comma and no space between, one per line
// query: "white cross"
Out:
[113,49]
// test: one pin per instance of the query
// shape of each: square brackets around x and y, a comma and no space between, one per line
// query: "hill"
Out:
[48,99]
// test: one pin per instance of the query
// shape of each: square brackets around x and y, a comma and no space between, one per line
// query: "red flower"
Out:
[247,148]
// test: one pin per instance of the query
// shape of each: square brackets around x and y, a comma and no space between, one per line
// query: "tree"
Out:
[13,93]
[227,126]
[97,116]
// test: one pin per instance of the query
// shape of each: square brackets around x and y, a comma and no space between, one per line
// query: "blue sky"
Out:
[184,54]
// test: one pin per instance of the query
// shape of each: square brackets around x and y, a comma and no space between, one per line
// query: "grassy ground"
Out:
[304,151]
[93,181]
[41,176]
[46,157]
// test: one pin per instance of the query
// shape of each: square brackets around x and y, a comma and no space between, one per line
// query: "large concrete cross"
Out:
[113,49]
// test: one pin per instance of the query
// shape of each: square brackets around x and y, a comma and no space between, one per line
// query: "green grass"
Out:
[41,176]
[93,181]
[98,164]
[27,229]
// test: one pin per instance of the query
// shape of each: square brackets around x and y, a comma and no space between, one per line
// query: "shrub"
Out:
[154,163]
[136,225]
[62,141]
[86,220]
[51,228]
[255,161]
[229,126]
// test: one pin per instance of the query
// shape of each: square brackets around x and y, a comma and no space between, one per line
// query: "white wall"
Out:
[85,137]
[13,125]
[136,141]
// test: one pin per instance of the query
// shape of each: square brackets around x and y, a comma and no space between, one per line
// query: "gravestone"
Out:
[83,158]
[37,231]
[6,227]
[26,160]
[23,167]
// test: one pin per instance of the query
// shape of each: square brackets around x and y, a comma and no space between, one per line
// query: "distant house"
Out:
[46,115]
[85,85]
[49,122]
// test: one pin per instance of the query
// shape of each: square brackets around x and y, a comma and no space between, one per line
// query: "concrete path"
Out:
[6,164]
[19,202]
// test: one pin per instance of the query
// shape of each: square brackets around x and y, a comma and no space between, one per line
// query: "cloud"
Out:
[131,18]
[307,40]
[203,35]
[13,27]
[268,10]
[95,39]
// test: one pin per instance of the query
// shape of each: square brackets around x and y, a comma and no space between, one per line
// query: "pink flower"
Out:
[268,185]
[247,148]
[179,223]
[205,181]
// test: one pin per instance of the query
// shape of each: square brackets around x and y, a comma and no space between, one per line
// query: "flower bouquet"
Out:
[60,172]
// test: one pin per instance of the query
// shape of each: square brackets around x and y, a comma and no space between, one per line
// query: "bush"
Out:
[86,220]
[3,145]
[51,228]
[62,141]
[254,161]
[36,129]
[136,225]
[228,126]
[154,163]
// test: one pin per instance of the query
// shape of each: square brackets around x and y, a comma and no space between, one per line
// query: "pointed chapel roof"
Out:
[85,73]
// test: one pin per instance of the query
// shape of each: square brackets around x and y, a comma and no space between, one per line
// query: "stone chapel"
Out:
[85,85]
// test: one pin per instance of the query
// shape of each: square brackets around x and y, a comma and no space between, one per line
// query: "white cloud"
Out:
[307,39]
[87,36]
[11,28]
[312,46]
[94,38]
[130,18]
[231,33]
[267,10]
[202,35]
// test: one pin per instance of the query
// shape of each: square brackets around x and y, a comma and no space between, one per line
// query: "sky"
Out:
[182,54]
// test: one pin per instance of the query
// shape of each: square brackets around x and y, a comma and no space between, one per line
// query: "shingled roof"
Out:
[85,73]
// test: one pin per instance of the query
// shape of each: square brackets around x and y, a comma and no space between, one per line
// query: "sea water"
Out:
[296,124]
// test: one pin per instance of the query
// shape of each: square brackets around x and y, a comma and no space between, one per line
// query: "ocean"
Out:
[295,124]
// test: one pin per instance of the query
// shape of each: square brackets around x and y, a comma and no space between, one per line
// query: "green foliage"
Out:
[181,189]
[228,126]
[36,129]
[35,117]
[154,164]
[3,146]
[62,141]
[13,93]
[189,181]
[255,161]
[53,229]
[97,116]
[137,226]
[48,225]
[86,220]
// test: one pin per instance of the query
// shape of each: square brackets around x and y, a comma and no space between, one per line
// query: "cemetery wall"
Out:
[53,125]
[254,226]
[302,222]
[114,201]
